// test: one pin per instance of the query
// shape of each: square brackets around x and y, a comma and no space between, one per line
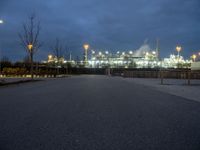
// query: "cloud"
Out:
[105,24]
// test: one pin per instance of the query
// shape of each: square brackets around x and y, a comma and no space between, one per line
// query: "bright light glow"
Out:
[1,21]
[30,46]
[199,53]
[153,52]
[86,46]
[130,52]
[126,59]
[50,57]
[178,48]
[194,57]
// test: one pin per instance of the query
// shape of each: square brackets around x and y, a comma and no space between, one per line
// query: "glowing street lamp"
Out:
[30,47]
[130,52]
[194,57]
[154,52]
[178,49]
[86,47]
[50,57]
[1,21]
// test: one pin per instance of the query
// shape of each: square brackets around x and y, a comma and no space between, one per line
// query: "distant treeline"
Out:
[52,70]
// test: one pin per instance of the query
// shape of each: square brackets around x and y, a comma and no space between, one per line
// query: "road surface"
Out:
[95,113]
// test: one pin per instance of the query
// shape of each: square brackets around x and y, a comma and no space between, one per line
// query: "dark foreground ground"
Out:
[95,113]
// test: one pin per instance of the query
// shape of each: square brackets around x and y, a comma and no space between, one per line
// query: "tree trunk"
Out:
[31,65]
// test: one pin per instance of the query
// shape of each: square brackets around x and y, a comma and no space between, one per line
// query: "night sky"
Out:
[104,24]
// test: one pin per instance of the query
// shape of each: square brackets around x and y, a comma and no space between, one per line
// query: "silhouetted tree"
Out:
[5,62]
[29,38]
[58,50]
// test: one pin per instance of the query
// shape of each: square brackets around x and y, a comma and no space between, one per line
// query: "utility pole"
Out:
[86,47]
[0,61]
[70,57]
[157,49]
[1,22]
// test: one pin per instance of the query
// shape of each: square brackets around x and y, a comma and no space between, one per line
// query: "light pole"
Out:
[30,48]
[199,55]
[178,49]
[194,57]
[86,47]
[1,22]
[50,58]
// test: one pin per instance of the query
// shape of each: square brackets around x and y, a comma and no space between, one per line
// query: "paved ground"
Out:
[178,87]
[96,113]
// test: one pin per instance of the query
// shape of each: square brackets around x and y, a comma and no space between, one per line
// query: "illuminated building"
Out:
[125,59]
[130,60]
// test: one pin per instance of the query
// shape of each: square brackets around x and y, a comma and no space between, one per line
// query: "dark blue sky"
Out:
[104,24]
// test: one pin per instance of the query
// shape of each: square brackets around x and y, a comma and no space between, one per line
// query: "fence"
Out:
[165,73]
[186,74]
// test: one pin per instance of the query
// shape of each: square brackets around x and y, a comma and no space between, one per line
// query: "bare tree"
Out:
[5,62]
[58,49]
[29,38]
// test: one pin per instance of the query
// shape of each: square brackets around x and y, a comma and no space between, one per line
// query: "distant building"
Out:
[131,60]
[124,59]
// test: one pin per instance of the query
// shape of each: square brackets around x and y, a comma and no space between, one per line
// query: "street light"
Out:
[130,52]
[30,48]
[178,49]
[199,55]
[194,57]
[154,52]
[86,47]
[1,21]
[50,57]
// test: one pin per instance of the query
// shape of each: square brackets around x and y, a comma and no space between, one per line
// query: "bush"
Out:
[14,71]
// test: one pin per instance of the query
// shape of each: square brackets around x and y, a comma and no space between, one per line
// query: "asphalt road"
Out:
[95,113]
